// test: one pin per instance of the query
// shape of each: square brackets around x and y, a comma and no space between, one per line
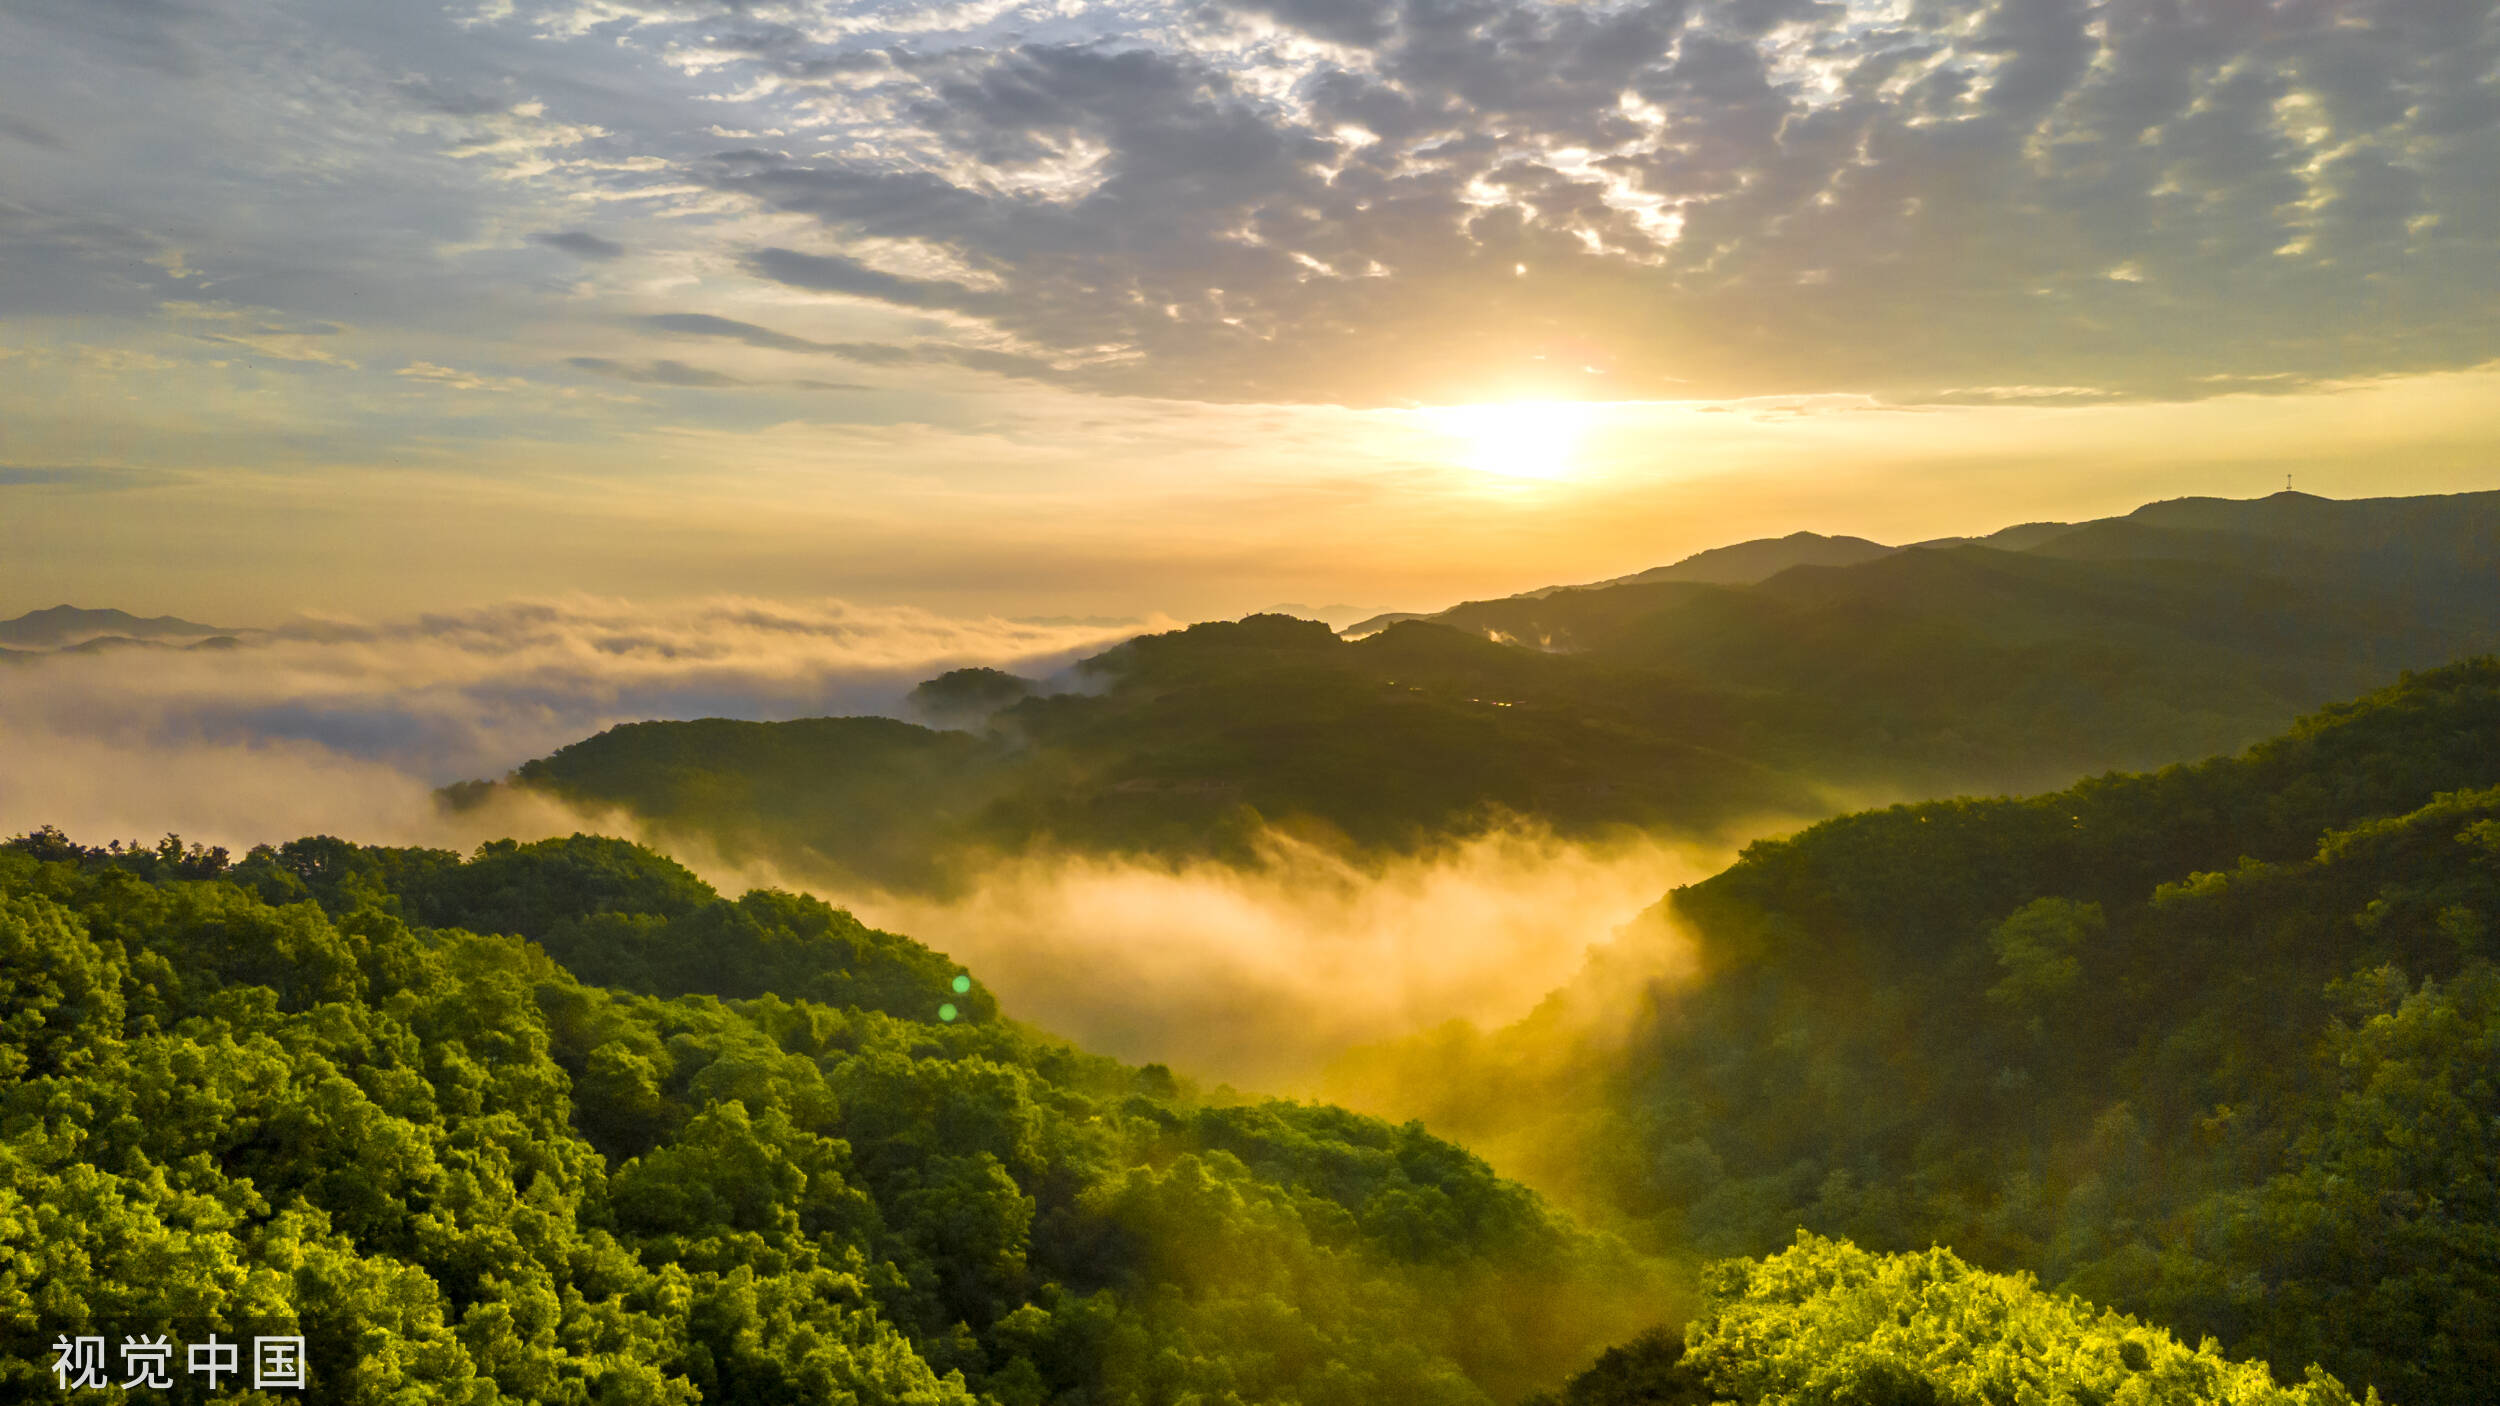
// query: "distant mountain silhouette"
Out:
[66,625]
[2428,541]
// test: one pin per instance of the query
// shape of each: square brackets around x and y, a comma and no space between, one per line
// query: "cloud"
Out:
[2023,395]
[581,244]
[657,373]
[677,373]
[29,132]
[995,360]
[1308,201]
[261,331]
[1355,202]
[150,34]
[833,273]
[458,379]
[137,739]
[451,99]
[237,794]
[57,262]
[88,477]
[697,324]
[1264,973]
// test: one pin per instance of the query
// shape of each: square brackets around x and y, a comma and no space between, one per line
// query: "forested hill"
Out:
[2218,1044]
[557,1123]
[774,1158]
[2183,630]
[1191,743]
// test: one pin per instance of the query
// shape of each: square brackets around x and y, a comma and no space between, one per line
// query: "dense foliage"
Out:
[1824,1323]
[2180,631]
[2219,1044]
[556,1123]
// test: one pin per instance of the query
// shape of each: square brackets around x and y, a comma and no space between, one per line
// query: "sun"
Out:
[1537,439]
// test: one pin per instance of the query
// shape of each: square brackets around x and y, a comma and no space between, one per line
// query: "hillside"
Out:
[1679,706]
[558,1123]
[2213,1044]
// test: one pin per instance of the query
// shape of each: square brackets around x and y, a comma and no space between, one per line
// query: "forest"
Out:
[359,1096]
[2218,1045]
[359,1093]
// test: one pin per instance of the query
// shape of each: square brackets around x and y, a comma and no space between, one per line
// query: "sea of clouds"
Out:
[348,727]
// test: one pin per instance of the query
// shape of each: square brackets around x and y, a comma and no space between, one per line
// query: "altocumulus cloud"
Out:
[581,244]
[1352,201]
[1302,199]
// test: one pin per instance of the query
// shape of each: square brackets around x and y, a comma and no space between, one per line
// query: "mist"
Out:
[1265,976]
[1532,1096]
[346,727]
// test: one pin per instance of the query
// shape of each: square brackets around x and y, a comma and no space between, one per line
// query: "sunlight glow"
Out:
[1516,439]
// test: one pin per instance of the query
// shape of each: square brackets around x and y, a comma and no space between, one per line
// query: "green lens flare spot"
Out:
[947,1011]
[962,984]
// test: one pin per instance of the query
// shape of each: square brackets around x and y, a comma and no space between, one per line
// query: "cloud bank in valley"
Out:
[1264,975]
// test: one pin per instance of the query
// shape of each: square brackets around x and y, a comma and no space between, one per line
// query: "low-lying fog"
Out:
[1263,976]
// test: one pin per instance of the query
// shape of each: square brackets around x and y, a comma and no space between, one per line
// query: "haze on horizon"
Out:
[1057,307]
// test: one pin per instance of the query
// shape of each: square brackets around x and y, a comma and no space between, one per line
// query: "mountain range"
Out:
[1668,702]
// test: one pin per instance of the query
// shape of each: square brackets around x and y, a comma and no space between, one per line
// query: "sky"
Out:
[1061,309]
